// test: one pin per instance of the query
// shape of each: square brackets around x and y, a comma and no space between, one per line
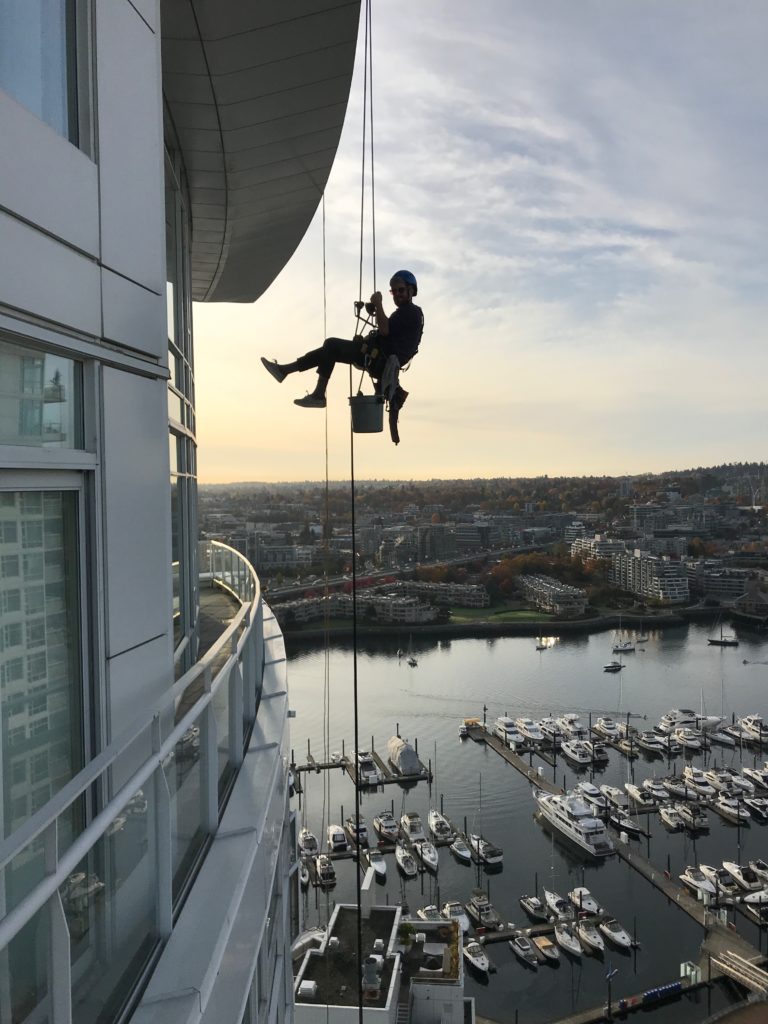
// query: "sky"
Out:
[580,187]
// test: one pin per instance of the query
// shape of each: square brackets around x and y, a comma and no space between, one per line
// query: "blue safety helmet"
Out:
[407,276]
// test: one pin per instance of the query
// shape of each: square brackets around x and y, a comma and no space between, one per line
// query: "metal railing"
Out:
[240,679]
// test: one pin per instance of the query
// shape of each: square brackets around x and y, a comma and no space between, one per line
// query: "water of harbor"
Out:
[456,678]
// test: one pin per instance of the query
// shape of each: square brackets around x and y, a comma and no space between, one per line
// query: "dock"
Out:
[342,762]
[479,734]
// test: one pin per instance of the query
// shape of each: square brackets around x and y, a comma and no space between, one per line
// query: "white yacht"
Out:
[406,861]
[623,647]
[732,808]
[680,787]
[697,780]
[482,912]
[694,819]
[461,850]
[758,807]
[589,792]
[551,732]
[411,827]
[326,873]
[523,949]
[655,789]
[737,781]
[567,939]
[575,820]
[439,825]
[584,901]
[476,956]
[671,817]
[427,853]
[613,666]
[577,752]
[368,773]
[385,824]
[746,876]
[613,931]
[758,775]
[530,730]
[639,797]
[598,751]
[755,728]
[453,911]
[651,743]
[376,860]
[572,727]
[679,717]
[589,935]
[485,851]
[688,738]
[533,906]
[508,732]
[430,913]
[558,907]
[614,795]
[307,841]
[724,882]
[337,841]
[357,830]
[695,879]
[608,728]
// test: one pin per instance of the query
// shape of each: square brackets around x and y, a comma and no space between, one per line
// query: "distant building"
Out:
[708,577]
[650,576]
[551,595]
[598,546]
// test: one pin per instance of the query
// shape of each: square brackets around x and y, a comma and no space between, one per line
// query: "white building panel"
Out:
[136,510]
[71,296]
[46,180]
[150,12]
[130,146]
[133,316]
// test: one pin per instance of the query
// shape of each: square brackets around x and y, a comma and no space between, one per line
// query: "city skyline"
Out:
[579,192]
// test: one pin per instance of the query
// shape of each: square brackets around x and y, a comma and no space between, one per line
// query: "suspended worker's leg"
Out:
[333,350]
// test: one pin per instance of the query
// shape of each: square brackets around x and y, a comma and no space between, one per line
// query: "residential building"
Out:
[551,595]
[154,154]
[598,546]
[650,576]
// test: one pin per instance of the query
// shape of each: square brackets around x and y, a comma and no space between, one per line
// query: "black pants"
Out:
[333,350]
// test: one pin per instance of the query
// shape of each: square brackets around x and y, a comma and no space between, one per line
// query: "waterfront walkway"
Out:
[479,734]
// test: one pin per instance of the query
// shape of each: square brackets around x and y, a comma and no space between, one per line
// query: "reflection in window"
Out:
[38,64]
[41,397]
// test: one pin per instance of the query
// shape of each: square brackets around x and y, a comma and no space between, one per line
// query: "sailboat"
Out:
[411,657]
[724,640]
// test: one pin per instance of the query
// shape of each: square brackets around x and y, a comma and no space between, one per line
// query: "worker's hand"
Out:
[376,298]
[358,338]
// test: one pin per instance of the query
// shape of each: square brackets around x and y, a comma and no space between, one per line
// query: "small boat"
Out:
[326,873]
[608,728]
[357,830]
[411,827]
[591,795]
[475,956]
[695,879]
[671,817]
[386,826]
[694,819]
[337,841]
[551,732]
[572,726]
[376,861]
[744,875]
[696,779]
[463,731]
[453,911]
[755,728]
[651,743]
[757,775]
[725,739]
[623,823]
[613,666]
[485,851]
[584,901]
[303,874]
[460,850]
[545,947]
[406,861]
[614,795]
[368,772]
[639,797]
[723,880]
[613,931]
[737,780]
[732,808]
[524,951]
[561,909]
[623,647]
[724,640]
[307,842]
[758,807]
[577,752]
[760,867]
[567,939]
[759,898]
[533,906]
[589,936]
[482,912]
[430,913]
[677,786]
[427,853]
[439,825]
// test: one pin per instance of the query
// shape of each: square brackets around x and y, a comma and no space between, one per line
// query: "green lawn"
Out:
[497,615]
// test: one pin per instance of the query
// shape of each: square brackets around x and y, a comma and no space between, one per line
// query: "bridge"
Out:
[744,971]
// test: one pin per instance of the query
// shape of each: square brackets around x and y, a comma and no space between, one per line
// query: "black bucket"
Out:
[367,413]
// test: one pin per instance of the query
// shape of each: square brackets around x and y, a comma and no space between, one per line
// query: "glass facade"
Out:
[41,402]
[38,60]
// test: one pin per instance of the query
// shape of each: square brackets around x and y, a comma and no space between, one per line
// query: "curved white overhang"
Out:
[256,91]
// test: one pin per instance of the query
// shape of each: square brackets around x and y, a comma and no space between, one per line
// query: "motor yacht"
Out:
[613,931]
[531,732]
[533,906]
[589,792]
[368,773]
[613,666]
[545,947]
[694,819]
[757,898]
[746,876]
[760,867]
[427,853]
[655,789]
[589,936]
[430,913]
[737,780]
[584,901]
[696,779]
[559,907]
[723,881]
[718,779]
[461,850]
[759,776]
[671,817]
[608,728]
[575,819]
[679,717]
[641,799]
[614,795]
[524,951]
[463,731]
[337,841]
[688,738]
[651,743]
[732,808]
[411,827]
[482,912]
[376,861]
[677,786]
[485,851]
[551,732]
[755,728]
[406,861]
[386,826]
[475,956]
[720,736]
[598,751]
[577,752]
[356,829]
[757,806]
[572,726]
[508,732]
[439,826]
[454,911]
[326,873]
[307,842]
[566,938]
[694,878]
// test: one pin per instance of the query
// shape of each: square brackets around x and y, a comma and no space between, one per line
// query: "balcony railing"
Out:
[109,888]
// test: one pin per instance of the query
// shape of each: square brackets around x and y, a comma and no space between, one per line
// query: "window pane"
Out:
[40,665]
[41,398]
[38,59]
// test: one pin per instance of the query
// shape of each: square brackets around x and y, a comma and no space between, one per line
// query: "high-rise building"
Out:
[154,153]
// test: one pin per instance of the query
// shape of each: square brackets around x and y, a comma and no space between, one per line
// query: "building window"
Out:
[38,60]
[41,395]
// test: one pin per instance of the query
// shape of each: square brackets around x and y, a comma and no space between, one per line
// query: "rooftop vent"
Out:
[308,990]
[378,946]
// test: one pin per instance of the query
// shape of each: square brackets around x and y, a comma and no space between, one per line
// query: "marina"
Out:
[639,886]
